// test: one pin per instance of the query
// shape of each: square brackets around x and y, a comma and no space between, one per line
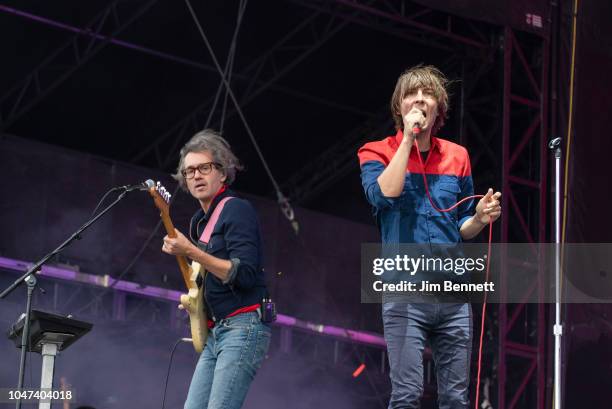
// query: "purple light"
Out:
[174,296]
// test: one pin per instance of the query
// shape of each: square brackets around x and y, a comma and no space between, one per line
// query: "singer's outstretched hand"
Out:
[488,208]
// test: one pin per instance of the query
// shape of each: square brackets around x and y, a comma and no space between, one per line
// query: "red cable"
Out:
[359,370]
[484,303]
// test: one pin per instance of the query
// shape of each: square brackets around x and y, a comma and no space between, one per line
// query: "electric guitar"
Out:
[193,301]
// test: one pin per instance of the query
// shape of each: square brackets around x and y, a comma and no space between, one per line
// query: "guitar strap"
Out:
[208,230]
[212,222]
[205,239]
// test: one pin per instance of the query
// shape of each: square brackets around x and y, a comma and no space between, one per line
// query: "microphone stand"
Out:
[30,279]
[555,145]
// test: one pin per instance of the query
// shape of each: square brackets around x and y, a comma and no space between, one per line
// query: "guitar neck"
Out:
[181,260]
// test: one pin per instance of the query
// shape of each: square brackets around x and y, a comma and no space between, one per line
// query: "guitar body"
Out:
[193,303]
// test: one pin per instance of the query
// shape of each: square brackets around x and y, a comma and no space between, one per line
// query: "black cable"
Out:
[102,200]
[124,272]
[178,341]
[131,264]
[228,73]
[233,98]
[229,64]
[76,236]
[159,223]
[241,11]
[280,197]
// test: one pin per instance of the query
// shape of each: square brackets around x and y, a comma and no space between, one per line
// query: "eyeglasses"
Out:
[203,168]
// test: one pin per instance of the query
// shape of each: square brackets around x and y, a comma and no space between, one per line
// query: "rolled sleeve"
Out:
[231,275]
[462,220]
[243,244]
[466,209]
[370,171]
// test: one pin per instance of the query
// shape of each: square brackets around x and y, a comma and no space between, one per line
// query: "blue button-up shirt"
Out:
[410,218]
[236,237]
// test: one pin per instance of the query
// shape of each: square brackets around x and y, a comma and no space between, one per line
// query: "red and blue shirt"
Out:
[410,218]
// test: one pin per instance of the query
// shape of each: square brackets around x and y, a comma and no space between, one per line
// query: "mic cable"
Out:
[484,302]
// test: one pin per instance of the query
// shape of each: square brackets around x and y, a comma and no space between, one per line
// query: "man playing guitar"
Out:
[230,255]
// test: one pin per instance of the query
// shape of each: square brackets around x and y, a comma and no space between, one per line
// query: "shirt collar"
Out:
[221,193]
[201,216]
[221,190]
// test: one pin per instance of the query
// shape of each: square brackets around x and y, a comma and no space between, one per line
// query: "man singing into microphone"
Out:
[232,258]
[392,178]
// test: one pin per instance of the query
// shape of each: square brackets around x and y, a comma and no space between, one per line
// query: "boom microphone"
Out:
[146,185]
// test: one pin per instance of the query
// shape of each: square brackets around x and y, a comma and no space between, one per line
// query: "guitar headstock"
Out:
[161,197]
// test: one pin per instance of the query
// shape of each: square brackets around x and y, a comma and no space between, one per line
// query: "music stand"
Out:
[49,334]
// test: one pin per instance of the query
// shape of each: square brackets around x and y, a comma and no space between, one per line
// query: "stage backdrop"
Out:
[588,333]
[48,192]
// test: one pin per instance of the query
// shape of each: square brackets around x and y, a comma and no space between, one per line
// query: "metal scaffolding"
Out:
[68,58]
[522,329]
[408,20]
[506,76]
[523,141]
[166,56]
[340,159]
[263,72]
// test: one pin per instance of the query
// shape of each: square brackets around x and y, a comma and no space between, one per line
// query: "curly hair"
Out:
[220,150]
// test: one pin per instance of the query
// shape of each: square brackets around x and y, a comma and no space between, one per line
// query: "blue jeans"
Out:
[234,351]
[449,330]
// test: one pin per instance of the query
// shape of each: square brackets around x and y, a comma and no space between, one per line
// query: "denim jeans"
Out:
[234,351]
[449,330]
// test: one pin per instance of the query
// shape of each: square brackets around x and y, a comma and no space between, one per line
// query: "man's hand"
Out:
[488,208]
[178,246]
[410,119]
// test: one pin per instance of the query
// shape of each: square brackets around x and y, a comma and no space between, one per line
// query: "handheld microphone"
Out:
[146,185]
[417,128]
